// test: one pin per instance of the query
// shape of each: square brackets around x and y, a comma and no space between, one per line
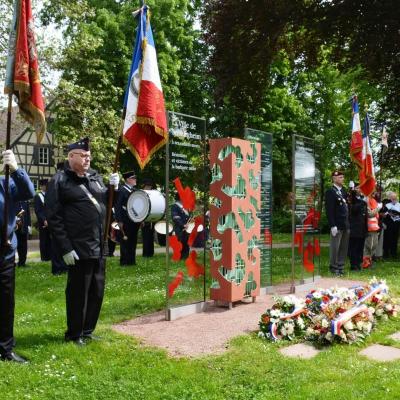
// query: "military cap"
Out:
[81,144]
[148,182]
[43,182]
[129,174]
[337,172]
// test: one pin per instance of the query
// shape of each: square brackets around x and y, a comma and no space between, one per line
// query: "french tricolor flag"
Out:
[356,144]
[366,173]
[145,124]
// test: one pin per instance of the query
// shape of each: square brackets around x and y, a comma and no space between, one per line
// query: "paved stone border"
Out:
[300,350]
[378,352]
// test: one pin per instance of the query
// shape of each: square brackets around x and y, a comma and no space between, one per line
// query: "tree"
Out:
[96,60]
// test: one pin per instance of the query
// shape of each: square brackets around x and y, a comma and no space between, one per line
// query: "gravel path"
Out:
[209,332]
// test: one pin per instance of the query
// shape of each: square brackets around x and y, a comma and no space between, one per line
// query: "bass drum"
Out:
[146,205]
[161,229]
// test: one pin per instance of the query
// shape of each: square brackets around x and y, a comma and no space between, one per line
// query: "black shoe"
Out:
[13,357]
[79,341]
[91,337]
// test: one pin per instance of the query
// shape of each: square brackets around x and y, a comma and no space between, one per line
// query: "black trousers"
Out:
[22,247]
[128,247]
[148,239]
[45,244]
[84,296]
[390,238]
[7,305]
[356,249]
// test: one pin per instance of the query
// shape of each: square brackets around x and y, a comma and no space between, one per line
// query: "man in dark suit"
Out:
[47,250]
[23,230]
[44,233]
[129,229]
[180,217]
[338,219]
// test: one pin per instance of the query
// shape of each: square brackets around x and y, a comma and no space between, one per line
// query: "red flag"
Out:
[145,125]
[22,76]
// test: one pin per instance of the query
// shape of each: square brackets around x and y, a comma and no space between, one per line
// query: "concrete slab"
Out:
[300,350]
[377,352]
[395,336]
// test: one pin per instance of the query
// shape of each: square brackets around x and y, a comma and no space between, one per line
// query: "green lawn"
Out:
[119,367]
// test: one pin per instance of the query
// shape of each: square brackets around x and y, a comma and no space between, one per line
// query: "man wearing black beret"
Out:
[76,208]
[338,219]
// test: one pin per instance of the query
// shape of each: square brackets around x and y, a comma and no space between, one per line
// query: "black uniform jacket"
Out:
[38,204]
[179,218]
[358,218]
[26,217]
[121,213]
[73,219]
[336,208]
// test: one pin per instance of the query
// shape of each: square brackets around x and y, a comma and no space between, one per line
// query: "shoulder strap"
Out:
[91,197]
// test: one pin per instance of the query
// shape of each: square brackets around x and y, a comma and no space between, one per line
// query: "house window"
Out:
[35,182]
[44,155]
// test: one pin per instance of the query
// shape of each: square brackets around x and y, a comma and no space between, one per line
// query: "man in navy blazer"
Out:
[20,189]
[338,218]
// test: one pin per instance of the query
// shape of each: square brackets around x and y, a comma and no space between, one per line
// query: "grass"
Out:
[287,238]
[118,367]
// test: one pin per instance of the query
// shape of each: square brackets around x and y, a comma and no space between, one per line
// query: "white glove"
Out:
[379,208]
[70,257]
[114,180]
[29,230]
[9,159]
[351,185]
[334,231]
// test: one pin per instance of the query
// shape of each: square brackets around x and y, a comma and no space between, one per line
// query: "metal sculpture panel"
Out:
[234,223]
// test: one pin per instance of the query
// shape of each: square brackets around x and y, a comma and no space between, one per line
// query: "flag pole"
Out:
[111,189]
[381,166]
[4,228]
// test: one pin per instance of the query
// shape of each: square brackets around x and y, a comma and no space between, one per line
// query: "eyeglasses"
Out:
[83,155]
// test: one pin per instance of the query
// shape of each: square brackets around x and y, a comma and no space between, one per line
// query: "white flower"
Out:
[283,331]
[343,336]
[289,328]
[379,312]
[310,331]
[300,323]
[324,323]
[360,325]
[275,313]
[348,326]
[317,295]
[371,310]
[388,307]
[261,335]
[367,327]
[329,336]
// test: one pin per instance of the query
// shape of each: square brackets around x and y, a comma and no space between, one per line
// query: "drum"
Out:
[161,227]
[190,227]
[146,205]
